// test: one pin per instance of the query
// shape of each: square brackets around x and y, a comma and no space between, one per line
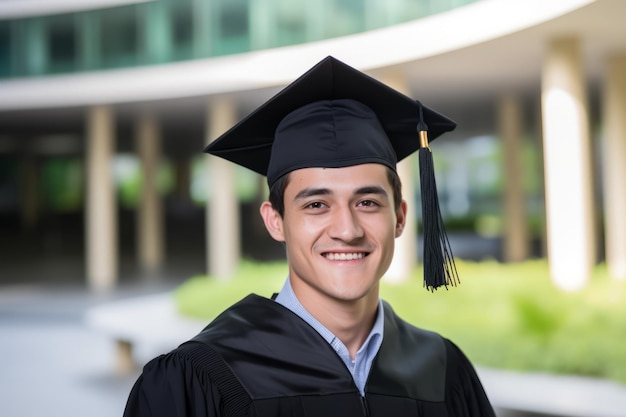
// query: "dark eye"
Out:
[315,205]
[368,203]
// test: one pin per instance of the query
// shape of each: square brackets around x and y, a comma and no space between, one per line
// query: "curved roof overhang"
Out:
[14,9]
[482,47]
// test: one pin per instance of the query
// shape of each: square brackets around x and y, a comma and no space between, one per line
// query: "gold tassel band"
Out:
[424,139]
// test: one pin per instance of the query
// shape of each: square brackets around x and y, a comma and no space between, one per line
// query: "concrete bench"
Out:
[149,320]
[154,321]
[521,393]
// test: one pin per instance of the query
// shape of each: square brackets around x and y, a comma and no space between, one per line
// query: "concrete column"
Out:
[405,255]
[514,202]
[101,210]
[223,209]
[150,221]
[538,142]
[569,197]
[615,166]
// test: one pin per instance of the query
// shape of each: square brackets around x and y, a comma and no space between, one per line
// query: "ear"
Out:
[273,221]
[400,218]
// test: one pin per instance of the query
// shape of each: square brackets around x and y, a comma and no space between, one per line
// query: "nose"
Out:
[345,225]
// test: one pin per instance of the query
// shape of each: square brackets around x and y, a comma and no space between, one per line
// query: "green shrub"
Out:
[507,316]
[205,297]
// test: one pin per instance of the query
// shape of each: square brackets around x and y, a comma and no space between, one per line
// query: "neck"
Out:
[353,331]
[351,321]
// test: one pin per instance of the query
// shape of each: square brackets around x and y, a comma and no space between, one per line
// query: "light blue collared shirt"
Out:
[362,363]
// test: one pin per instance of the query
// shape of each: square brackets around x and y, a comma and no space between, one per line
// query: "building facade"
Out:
[104,109]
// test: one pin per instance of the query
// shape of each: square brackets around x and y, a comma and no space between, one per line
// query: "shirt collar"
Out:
[288,299]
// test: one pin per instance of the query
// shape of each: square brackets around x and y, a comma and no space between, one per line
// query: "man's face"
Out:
[339,228]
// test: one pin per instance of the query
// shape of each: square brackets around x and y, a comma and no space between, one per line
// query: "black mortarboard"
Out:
[335,116]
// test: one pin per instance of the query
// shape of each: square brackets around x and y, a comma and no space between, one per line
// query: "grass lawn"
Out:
[506,316]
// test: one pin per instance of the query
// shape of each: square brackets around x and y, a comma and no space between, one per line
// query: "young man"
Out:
[326,345]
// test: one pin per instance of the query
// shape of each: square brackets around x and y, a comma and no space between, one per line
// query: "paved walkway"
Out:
[55,364]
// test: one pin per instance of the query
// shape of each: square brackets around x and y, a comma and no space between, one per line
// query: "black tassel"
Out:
[439,266]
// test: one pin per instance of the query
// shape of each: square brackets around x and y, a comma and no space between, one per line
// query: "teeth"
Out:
[344,256]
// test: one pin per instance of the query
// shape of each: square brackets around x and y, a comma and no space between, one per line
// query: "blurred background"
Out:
[106,105]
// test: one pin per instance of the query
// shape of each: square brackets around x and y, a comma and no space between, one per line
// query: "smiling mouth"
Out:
[335,256]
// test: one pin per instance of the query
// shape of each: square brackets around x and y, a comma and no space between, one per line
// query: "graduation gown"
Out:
[260,359]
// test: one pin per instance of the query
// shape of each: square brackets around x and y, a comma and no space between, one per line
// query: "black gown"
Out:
[260,359]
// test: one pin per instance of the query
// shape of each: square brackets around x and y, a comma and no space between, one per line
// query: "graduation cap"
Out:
[335,116]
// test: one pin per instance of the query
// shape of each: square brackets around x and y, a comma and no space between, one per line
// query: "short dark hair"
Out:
[277,191]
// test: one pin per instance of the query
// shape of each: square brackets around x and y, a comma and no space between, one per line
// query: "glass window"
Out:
[5,49]
[345,17]
[406,10]
[234,28]
[119,36]
[234,19]
[182,29]
[62,45]
[291,22]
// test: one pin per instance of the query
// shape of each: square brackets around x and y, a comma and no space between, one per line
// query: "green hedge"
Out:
[506,316]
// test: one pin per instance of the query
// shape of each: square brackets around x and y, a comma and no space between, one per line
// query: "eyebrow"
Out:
[371,189]
[313,192]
